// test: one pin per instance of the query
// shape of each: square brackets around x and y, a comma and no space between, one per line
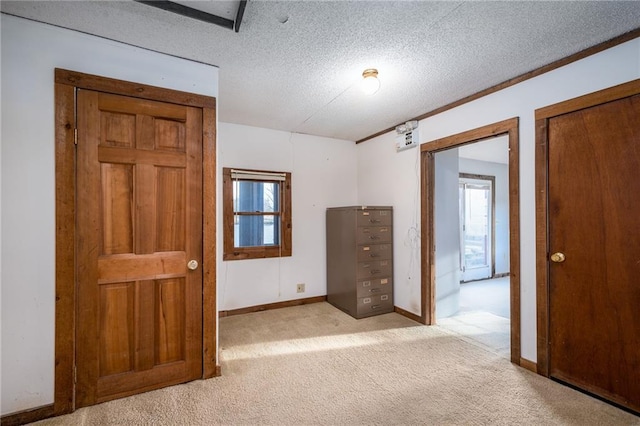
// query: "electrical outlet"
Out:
[300,288]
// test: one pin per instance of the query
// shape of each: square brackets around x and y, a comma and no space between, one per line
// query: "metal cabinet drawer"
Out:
[374,252]
[372,269]
[373,287]
[374,217]
[374,305]
[373,234]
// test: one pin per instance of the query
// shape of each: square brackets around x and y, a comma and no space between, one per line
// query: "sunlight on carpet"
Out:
[315,365]
[311,344]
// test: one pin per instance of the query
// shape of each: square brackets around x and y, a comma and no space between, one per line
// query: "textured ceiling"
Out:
[295,65]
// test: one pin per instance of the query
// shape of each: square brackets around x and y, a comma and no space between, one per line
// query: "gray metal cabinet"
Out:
[360,260]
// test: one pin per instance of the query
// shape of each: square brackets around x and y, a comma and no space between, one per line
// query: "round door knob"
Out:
[558,257]
[193,264]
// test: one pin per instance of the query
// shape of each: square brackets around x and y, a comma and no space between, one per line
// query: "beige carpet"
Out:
[316,365]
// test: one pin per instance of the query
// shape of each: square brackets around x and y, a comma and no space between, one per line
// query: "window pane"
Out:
[255,196]
[255,231]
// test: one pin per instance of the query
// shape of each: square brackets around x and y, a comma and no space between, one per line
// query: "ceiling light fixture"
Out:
[370,82]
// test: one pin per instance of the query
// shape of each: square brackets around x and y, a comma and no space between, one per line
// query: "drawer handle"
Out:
[375,290]
[374,237]
[374,255]
[375,306]
[375,271]
[374,220]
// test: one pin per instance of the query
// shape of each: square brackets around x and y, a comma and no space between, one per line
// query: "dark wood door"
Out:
[139,223]
[594,221]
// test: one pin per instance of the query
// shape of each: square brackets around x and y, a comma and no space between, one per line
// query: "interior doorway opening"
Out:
[469,302]
[445,252]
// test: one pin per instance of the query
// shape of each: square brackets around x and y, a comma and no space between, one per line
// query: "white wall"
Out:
[323,175]
[390,178]
[387,178]
[446,203]
[30,52]
[501,191]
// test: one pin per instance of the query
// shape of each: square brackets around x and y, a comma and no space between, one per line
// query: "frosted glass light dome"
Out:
[370,83]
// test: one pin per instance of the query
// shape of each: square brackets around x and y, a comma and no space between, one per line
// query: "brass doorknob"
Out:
[193,264]
[558,257]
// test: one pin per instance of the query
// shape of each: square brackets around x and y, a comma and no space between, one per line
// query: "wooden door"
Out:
[139,222]
[594,222]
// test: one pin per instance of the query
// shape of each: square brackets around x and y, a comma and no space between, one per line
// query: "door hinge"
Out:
[75,136]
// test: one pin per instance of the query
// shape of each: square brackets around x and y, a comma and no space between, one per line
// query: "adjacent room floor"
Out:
[484,315]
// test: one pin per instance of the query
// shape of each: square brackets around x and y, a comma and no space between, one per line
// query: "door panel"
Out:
[139,222]
[117,205]
[170,326]
[116,328]
[170,214]
[593,204]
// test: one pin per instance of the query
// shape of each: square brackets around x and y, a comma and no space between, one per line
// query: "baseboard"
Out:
[504,274]
[407,314]
[218,372]
[27,416]
[529,365]
[269,306]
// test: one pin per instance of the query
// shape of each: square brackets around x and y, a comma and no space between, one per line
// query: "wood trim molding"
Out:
[524,77]
[528,365]
[134,90]
[209,264]
[470,136]
[65,301]
[427,265]
[66,83]
[270,306]
[428,151]
[28,416]
[542,268]
[411,316]
[592,99]
[514,237]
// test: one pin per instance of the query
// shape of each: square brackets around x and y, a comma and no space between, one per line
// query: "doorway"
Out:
[477,204]
[108,281]
[430,234]
[587,221]
[469,301]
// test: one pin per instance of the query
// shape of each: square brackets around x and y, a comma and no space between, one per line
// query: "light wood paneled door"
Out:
[594,249]
[139,224]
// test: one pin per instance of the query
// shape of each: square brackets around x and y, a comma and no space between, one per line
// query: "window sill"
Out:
[257,253]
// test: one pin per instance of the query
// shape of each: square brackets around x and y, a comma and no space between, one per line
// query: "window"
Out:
[477,206]
[256,214]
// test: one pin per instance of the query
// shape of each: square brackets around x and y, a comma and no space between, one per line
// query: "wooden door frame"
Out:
[428,150]
[542,116]
[66,84]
